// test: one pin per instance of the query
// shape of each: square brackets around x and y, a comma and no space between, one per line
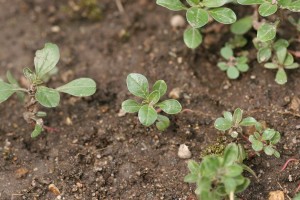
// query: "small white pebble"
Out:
[290,178]
[55,29]
[253,77]
[177,21]
[184,152]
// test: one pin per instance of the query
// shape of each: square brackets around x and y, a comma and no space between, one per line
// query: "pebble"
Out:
[184,152]
[55,29]
[177,21]
[54,189]
[175,93]
[121,113]
[276,195]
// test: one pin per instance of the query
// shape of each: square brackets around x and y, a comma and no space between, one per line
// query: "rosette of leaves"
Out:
[148,108]
[282,60]
[265,140]
[45,62]
[198,14]
[218,177]
[233,65]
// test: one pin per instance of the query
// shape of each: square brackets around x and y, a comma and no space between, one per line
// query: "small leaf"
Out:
[281,53]
[197,17]
[6,90]
[227,115]
[267,9]
[281,77]
[29,74]
[160,86]
[223,124]
[147,115]
[277,155]
[294,6]
[292,66]
[81,87]
[233,73]
[174,5]
[193,2]
[271,66]
[193,166]
[47,97]
[137,84]
[269,150]
[242,67]
[248,121]
[289,59]
[11,79]
[268,134]
[266,32]
[257,145]
[192,38]
[163,122]
[46,59]
[243,186]
[250,2]
[37,130]
[276,138]
[241,26]
[264,54]
[131,106]
[280,43]
[234,170]
[226,52]
[153,97]
[223,66]
[230,184]
[223,15]
[170,106]
[191,178]
[214,3]
[237,116]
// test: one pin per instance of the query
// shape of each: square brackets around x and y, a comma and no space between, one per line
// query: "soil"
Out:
[98,154]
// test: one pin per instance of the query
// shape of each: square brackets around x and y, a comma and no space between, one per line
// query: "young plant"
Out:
[150,105]
[261,139]
[198,14]
[233,65]
[45,63]
[218,177]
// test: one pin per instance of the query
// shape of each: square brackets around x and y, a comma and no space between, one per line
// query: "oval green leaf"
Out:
[81,87]
[267,9]
[163,122]
[138,85]
[6,90]
[174,5]
[281,77]
[160,86]
[233,73]
[192,38]
[266,32]
[214,3]
[47,97]
[250,2]
[131,106]
[223,124]
[223,15]
[197,17]
[241,26]
[153,97]
[170,106]
[147,115]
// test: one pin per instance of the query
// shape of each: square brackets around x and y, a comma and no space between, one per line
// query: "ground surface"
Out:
[105,156]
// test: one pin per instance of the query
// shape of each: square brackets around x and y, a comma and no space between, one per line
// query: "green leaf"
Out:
[241,26]
[163,122]
[281,54]
[6,90]
[193,2]
[131,106]
[153,97]
[242,59]
[147,115]
[289,59]
[233,73]
[214,3]
[237,116]
[170,106]
[192,38]
[46,59]
[268,134]
[250,2]
[193,166]
[276,154]
[281,77]
[14,82]
[248,121]
[227,115]
[160,86]
[174,5]
[276,138]
[37,130]
[197,17]
[267,9]
[292,66]
[223,15]
[47,97]
[81,87]
[271,65]
[226,52]
[269,150]
[294,6]
[29,74]
[252,138]
[223,124]
[243,186]
[234,170]
[264,54]
[280,43]
[137,84]
[230,184]
[257,145]
[266,32]
[242,67]
[191,178]
[222,66]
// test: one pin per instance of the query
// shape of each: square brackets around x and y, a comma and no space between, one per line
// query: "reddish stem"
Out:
[298,189]
[286,164]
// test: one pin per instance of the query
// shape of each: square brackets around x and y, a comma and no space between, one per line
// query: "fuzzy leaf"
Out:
[81,87]
[192,38]
[163,122]
[294,6]
[147,115]
[233,73]
[241,26]
[268,134]
[264,54]
[271,65]
[174,5]
[214,3]
[242,67]
[269,150]
[281,54]
[266,32]
[257,145]
[197,17]
[223,15]
[248,121]
[160,86]
[37,131]
[281,77]
[292,66]
[170,106]
[131,106]
[267,9]
[226,52]
[237,116]
[6,90]
[154,97]
[138,85]
[47,97]
[223,124]
[193,2]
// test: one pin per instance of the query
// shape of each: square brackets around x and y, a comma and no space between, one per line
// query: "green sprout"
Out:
[150,106]
[233,65]
[261,139]
[218,177]
[45,64]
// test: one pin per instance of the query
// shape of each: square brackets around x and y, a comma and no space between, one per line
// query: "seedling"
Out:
[150,106]
[261,139]
[38,94]
[218,177]
[233,65]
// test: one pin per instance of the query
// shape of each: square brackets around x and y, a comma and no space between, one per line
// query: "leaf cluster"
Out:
[218,177]
[138,85]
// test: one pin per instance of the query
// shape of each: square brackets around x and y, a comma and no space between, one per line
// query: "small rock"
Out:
[177,21]
[295,104]
[54,189]
[121,113]
[22,172]
[276,195]
[69,121]
[175,93]
[55,29]
[184,152]
[298,126]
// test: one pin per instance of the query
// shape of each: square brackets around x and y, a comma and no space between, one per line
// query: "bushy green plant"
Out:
[150,105]
[233,65]
[218,177]
[45,62]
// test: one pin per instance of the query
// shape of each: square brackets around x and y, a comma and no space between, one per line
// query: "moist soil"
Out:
[98,153]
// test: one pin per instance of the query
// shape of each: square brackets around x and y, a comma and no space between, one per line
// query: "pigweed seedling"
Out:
[45,64]
[233,65]
[261,139]
[218,177]
[148,109]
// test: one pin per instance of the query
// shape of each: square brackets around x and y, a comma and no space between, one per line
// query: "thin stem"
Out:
[287,162]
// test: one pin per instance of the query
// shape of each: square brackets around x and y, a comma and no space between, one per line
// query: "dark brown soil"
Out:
[104,156]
